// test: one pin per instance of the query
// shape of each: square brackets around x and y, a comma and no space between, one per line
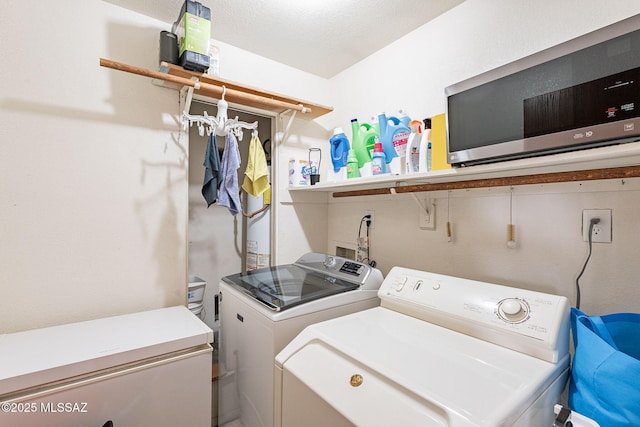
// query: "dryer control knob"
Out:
[511,307]
[513,310]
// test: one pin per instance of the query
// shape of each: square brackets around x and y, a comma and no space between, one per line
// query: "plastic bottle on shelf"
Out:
[413,147]
[353,171]
[425,150]
[378,162]
[357,144]
[394,135]
[373,131]
[214,59]
[339,149]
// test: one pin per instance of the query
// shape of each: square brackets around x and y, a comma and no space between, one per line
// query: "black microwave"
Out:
[580,94]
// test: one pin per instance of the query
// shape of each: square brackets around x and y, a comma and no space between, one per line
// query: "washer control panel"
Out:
[342,268]
[528,321]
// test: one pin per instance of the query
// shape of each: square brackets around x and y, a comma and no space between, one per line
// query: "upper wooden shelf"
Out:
[175,76]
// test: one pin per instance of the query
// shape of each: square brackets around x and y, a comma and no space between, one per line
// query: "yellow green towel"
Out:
[256,176]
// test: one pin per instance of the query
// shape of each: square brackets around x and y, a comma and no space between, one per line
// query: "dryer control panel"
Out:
[531,322]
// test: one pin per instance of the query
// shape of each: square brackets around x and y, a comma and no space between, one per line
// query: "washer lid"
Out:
[453,376]
[39,356]
[286,286]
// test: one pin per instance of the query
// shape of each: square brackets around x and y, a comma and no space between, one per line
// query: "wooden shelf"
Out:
[613,162]
[543,178]
[175,76]
[263,99]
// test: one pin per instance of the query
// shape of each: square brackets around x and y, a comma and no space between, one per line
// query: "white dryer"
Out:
[262,310]
[439,351]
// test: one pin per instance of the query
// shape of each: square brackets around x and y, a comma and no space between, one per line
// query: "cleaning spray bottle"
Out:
[425,147]
[378,162]
[394,135]
[339,149]
[413,147]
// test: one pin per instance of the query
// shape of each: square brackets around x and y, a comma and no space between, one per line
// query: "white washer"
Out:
[439,351]
[262,310]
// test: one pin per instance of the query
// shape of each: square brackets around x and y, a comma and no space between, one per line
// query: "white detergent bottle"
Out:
[413,147]
[424,144]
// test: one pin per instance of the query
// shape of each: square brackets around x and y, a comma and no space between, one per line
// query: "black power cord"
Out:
[366,219]
[593,222]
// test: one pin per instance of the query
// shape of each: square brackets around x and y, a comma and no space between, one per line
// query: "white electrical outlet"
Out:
[601,231]
[373,219]
[428,218]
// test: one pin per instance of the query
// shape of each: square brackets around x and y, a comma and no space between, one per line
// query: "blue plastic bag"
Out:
[605,374]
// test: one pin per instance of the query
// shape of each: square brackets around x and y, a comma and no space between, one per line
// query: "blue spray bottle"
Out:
[339,149]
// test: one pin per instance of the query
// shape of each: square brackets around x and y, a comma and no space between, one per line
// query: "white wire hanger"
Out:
[221,125]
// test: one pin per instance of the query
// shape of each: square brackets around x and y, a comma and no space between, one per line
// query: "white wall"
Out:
[93,171]
[92,177]
[474,37]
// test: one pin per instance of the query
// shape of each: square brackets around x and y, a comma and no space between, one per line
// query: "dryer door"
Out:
[320,387]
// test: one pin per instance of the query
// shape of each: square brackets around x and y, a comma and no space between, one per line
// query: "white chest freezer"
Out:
[149,368]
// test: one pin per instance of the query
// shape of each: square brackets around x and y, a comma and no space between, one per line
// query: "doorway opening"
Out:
[219,243]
